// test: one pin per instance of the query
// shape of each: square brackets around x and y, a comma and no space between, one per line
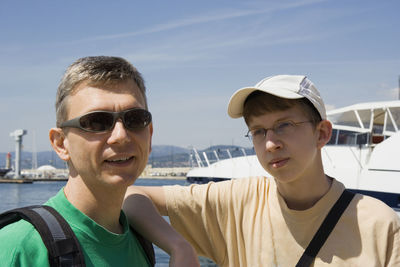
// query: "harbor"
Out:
[13,172]
[49,173]
[15,181]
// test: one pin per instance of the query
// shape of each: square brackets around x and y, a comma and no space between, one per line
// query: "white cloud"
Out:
[219,15]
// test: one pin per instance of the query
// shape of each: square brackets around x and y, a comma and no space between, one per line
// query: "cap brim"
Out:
[236,103]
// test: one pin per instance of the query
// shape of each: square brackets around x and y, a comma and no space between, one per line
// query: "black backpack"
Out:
[62,245]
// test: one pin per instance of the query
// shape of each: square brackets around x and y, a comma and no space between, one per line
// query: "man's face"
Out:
[114,157]
[288,155]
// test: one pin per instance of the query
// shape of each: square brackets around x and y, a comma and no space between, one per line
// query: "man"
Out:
[270,222]
[103,132]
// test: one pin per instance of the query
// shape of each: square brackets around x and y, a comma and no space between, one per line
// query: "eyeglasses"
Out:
[282,129]
[101,121]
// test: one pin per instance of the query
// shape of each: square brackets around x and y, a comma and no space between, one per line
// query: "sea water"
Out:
[18,195]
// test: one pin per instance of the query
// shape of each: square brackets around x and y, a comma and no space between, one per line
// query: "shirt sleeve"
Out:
[200,213]
[393,251]
[215,217]
[23,246]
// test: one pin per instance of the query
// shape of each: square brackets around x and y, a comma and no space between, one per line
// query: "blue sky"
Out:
[193,56]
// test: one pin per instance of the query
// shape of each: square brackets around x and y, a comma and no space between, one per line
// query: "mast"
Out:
[17,134]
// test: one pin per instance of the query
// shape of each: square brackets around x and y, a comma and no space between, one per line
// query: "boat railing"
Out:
[208,157]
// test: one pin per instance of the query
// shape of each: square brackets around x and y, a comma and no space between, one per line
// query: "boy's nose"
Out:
[272,142]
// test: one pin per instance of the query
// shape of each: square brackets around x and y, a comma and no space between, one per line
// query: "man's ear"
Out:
[151,135]
[57,140]
[324,129]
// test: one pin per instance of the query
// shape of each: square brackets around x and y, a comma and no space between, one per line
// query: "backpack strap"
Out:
[62,245]
[146,245]
[325,229]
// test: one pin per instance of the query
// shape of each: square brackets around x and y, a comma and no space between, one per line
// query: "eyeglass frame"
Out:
[75,122]
[250,136]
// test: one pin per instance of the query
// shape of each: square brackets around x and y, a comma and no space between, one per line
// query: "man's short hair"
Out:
[95,70]
[259,103]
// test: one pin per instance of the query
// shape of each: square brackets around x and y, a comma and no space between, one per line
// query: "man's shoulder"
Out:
[24,245]
[20,230]
[20,241]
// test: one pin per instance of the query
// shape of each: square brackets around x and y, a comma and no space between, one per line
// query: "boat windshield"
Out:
[368,123]
[345,137]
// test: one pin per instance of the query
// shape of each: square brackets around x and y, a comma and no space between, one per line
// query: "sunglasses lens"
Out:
[137,118]
[97,121]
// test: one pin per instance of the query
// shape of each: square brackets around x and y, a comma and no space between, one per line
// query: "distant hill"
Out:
[161,156]
[164,150]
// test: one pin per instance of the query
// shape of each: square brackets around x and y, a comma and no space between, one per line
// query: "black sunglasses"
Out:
[101,121]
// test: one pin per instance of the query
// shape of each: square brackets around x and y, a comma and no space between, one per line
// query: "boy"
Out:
[270,222]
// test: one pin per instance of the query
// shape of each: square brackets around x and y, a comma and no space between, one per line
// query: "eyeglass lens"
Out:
[138,118]
[99,121]
[102,121]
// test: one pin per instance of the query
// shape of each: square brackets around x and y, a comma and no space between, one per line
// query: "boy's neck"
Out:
[302,196]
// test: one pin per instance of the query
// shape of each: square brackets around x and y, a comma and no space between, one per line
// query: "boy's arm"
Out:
[154,193]
[143,216]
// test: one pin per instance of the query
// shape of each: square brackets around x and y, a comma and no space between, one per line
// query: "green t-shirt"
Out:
[21,244]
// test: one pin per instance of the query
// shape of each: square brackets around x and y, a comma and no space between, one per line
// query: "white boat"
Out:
[361,153]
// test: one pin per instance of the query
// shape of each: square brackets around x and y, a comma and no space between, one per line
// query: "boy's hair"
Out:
[96,70]
[259,103]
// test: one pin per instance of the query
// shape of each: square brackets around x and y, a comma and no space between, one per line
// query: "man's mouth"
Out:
[119,160]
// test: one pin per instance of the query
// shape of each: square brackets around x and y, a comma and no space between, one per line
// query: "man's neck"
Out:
[101,204]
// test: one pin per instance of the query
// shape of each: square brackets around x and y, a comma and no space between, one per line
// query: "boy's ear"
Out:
[57,140]
[324,129]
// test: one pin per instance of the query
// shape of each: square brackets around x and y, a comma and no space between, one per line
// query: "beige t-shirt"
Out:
[245,222]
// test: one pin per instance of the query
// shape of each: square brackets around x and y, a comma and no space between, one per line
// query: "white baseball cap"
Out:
[284,86]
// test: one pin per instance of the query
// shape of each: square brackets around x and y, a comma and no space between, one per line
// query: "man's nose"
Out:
[119,134]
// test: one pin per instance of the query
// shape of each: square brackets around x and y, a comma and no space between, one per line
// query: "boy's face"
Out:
[287,155]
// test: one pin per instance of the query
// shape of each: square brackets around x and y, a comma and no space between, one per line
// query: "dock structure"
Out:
[165,173]
[45,172]
[29,176]
[15,181]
